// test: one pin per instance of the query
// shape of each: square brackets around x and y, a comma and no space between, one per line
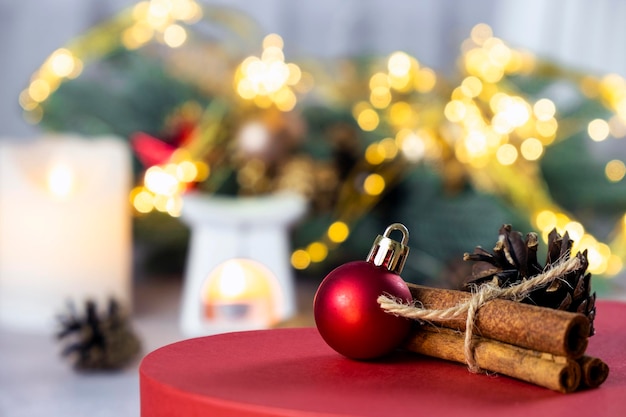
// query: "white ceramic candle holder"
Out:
[238,243]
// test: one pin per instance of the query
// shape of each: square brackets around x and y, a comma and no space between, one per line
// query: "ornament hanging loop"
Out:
[402,228]
[389,253]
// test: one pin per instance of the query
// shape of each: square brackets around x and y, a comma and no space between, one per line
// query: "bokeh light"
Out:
[598,130]
[615,170]
[269,79]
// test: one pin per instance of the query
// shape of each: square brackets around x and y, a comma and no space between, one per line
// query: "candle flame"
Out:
[61,180]
[232,280]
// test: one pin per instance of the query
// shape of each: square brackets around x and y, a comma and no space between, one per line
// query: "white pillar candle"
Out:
[64,227]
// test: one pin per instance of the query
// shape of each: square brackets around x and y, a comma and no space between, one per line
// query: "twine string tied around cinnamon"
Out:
[480,296]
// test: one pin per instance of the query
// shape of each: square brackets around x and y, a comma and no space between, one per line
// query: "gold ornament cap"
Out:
[390,253]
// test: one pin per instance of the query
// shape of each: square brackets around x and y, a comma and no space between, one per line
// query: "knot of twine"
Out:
[480,296]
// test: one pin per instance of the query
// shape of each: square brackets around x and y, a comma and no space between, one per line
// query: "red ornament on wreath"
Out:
[347,314]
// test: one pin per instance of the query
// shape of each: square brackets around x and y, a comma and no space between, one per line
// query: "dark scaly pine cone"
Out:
[98,342]
[515,259]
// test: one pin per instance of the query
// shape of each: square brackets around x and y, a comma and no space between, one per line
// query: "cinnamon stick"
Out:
[541,329]
[594,371]
[554,372]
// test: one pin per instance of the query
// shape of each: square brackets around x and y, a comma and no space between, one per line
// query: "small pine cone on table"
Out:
[98,341]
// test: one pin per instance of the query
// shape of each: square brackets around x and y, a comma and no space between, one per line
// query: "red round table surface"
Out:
[292,372]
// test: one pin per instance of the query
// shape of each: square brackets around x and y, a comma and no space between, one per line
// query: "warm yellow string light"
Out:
[514,132]
[495,130]
[147,20]
[268,79]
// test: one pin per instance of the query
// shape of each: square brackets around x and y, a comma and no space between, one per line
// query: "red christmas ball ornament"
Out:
[347,313]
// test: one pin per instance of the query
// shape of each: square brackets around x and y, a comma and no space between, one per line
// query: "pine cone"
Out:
[515,259]
[98,341]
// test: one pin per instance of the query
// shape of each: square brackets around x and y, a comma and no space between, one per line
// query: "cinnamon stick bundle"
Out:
[527,326]
[539,345]
[554,372]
